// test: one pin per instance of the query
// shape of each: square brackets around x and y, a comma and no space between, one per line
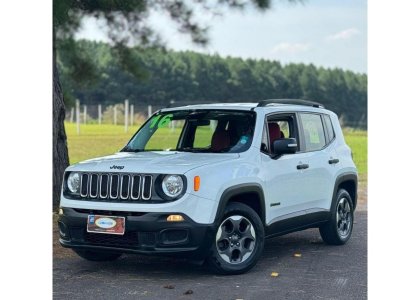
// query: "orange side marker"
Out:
[196,183]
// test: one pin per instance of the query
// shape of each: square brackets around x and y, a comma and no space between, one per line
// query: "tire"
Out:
[238,241]
[97,256]
[338,230]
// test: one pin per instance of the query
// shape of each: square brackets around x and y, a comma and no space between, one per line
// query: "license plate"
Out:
[106,224]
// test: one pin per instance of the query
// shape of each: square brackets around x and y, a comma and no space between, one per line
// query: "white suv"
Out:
[211,182]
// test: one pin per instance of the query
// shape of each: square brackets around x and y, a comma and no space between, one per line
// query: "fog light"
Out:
[175,218]
[60,211]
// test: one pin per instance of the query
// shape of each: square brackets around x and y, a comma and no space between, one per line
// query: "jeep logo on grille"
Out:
[117,167]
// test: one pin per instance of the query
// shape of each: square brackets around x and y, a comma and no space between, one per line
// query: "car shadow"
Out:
[161,268]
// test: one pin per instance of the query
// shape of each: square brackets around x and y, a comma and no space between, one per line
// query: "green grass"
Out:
[95,140]
[98,140]
[357,141]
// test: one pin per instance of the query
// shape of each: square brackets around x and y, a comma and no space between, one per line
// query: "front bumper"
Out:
[145,233]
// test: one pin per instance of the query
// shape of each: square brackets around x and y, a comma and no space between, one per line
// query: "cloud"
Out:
[291,48]
[343,35]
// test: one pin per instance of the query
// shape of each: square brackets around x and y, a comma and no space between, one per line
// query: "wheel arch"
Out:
[250,194]
[347,181]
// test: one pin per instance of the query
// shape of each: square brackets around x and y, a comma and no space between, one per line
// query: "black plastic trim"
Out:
[196,244]
[343,178]
[297,221]
[237,190]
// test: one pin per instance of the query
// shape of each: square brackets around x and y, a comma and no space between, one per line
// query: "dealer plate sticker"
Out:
[106,224]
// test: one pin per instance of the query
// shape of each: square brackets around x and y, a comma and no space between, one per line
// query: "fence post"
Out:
[149,111]
[131,114]
[84,114]
[99,114]
[115,114]
[72,115]
[126,115]
[78,117]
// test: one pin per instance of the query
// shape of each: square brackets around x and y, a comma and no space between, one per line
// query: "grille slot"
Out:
[114,183]
[103,190]
[147,187]
[94,182]
[84,185]
[135,187]
[124,188]
[116,186]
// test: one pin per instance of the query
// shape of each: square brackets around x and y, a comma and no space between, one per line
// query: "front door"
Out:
[286,178]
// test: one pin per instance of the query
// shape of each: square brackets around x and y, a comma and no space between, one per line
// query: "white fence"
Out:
[118,114]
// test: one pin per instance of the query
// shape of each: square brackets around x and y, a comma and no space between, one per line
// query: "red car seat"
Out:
[274,133]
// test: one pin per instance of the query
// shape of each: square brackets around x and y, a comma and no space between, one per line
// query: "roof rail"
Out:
[267,102]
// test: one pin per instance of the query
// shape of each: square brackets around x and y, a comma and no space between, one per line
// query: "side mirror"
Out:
[285,146]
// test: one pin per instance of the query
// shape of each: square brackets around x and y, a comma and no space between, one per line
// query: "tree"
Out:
[190,77]
[126,22]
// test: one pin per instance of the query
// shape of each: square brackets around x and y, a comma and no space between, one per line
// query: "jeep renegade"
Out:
[212,182]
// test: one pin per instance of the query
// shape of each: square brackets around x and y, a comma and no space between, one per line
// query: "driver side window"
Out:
[278,127]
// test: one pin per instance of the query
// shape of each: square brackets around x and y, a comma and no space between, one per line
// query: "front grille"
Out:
[125,187]
[129,239]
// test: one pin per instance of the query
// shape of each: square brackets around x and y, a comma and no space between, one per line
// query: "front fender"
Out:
[237,190]
[226,178]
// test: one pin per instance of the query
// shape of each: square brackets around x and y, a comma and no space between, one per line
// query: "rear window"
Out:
[313,131]
[329,128]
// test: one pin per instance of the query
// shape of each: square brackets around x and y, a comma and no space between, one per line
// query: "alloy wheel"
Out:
[235,239]
[344,217]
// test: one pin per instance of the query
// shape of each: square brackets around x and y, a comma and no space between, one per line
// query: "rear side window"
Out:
[313,132]
[329,128]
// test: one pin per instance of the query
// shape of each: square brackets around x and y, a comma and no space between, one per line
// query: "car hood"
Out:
[163,162]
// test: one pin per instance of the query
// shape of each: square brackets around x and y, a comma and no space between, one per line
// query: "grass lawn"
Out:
[357,141]
[98,140]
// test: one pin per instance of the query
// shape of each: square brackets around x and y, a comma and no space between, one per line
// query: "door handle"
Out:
[302,166]
[333,161]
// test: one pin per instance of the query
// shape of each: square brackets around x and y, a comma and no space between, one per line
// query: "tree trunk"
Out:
[60,153]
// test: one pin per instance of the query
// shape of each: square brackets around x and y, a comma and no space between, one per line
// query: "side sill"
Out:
[297,221]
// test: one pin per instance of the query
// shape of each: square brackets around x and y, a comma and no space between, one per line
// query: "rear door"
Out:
[318,145]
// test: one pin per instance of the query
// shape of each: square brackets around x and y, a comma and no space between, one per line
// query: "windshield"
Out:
[215,131]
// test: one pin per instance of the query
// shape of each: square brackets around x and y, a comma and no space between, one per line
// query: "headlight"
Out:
[172,185]
[73,182]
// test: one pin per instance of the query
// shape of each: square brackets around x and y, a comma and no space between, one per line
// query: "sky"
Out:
[325,33]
